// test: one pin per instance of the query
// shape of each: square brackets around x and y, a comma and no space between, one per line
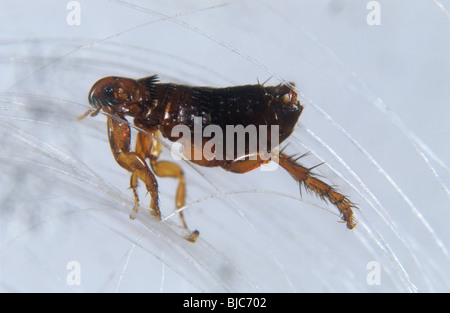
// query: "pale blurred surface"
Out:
[376,110]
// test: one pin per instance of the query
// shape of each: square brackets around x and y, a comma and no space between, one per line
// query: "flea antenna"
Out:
[82,116]
[92,112]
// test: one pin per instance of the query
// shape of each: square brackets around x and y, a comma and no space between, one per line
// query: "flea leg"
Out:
[119,139]
[304,176]
[133,186]
[146,147]
[244,165]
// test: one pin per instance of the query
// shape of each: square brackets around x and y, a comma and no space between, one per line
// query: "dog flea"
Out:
[159,108]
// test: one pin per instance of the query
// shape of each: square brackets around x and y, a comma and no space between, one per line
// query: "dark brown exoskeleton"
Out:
[158,108]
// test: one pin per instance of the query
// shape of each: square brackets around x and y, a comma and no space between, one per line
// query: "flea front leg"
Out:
[119,140]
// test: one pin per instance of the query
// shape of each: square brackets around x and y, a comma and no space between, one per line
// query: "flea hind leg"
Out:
[304,176]
[149,148]
[243,166]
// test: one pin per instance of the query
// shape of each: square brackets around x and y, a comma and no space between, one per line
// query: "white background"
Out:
[376,110]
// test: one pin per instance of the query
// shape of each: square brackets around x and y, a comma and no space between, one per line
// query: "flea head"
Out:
[123,96]
[111,93]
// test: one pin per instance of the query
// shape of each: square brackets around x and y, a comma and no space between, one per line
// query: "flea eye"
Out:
[287,98]
[108,90]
